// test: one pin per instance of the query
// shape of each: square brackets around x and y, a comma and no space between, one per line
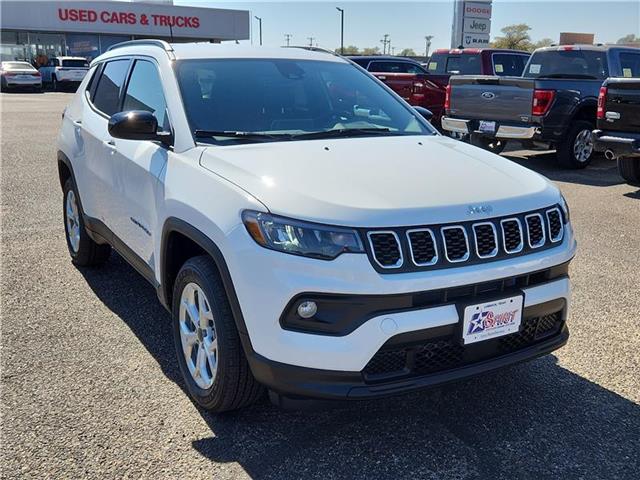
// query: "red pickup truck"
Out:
[475,61]
[408,79]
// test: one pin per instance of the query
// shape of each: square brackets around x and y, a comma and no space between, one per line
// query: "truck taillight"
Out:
[447,97]
[542,100]
[602,100]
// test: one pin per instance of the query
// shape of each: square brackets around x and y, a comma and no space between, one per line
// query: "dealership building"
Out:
[37,30]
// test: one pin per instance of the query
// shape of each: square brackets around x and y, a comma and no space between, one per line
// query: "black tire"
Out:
[493,145]
[54,83]
[233,385]
[88,252]
[566,154]
[629,169]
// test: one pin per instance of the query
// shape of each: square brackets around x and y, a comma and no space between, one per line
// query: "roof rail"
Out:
[149,42]
[313,49]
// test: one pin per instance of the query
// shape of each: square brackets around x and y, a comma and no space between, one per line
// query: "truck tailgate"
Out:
[401,83]
[622,109]
[491,98]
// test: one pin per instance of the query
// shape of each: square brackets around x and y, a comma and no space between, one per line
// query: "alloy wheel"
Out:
[583,146]
[73,221]
[198,336]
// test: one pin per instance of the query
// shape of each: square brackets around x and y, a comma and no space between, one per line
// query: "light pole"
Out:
[260,26]
[287,38]
[427,45]
[311,39]
[341,30]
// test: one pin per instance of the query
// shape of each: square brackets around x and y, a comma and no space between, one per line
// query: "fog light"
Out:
[307,309]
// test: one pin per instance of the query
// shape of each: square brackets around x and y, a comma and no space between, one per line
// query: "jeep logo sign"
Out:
[477,25]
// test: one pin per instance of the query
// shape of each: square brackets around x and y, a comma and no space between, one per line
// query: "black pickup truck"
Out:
[618,133]
[552,105]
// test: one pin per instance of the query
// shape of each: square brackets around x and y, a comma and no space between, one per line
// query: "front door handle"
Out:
[110,144]
[77,123]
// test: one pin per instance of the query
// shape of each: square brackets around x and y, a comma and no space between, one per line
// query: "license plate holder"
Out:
[487,127]
[492,319]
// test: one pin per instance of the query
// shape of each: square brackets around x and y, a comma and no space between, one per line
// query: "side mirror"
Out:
[426,113]
[136,125]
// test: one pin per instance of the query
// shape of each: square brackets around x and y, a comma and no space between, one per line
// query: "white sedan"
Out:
[19,75]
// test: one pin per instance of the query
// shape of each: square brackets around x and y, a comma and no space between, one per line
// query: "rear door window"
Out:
[630,64]
[144,92]
[463,64]
[436,64]
[106,97]
[509,65]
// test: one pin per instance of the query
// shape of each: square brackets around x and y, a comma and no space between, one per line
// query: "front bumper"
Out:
[620,143]
[514,132]
[424,359]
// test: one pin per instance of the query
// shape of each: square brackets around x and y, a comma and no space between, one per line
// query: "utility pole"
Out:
[287,38]
[311,39]
[427,45]
[341,30]
[385,43]
[260,24]
[393,50]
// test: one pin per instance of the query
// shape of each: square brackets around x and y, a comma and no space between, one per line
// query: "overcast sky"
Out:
[408,22]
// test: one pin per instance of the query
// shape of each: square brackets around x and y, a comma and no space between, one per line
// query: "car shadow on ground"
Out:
[536,420]
[600,173]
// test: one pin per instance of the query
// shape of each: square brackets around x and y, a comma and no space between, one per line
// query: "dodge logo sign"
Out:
[488,95]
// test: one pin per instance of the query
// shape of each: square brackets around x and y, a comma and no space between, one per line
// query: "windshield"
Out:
[75,63]
[587,64]
[456,64]
[248,100]
[16,66]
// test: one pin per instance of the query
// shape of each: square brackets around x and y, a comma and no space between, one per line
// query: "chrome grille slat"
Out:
[456,243]
[555,226]
[386,248]
[512,240]
[486,237]
[422,246]
[535,230]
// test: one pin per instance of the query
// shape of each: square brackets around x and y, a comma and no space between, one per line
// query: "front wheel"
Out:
[207,342]
[494,145]
[629,169]
[576,150]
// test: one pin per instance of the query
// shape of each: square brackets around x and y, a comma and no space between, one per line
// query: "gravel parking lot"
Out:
[91,388]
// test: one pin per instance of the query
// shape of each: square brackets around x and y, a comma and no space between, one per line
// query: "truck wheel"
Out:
[629,169]
[207,342]
[83,250]
[576,150]
[494,145]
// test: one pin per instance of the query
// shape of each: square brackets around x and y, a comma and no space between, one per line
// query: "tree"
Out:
[350,50]
[408,52]
[371,51]
[545,42]
[515,37]
[631,39]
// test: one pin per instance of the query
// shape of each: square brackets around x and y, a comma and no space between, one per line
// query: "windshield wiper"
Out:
[569,75]
[341,132]
[251,136]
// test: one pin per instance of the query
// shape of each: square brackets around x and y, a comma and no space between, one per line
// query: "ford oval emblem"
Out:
[488,95]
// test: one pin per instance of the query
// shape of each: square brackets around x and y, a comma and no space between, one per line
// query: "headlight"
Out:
[565,209]
[301,238]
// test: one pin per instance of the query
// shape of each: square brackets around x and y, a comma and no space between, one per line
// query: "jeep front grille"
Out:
[405,249]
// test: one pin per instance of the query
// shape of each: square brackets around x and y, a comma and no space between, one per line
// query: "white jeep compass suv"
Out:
[308,230]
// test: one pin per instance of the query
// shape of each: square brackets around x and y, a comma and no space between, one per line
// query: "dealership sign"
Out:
[128,18]
[471,24]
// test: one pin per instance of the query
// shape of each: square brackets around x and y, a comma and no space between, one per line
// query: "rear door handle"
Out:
[77,123]
[110,144]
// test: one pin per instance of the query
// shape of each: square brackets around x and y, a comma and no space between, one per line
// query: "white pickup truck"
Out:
[61,71]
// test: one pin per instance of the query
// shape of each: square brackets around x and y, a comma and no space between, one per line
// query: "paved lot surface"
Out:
[90,386]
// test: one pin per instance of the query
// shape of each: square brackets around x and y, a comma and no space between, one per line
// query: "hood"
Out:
[380,181]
